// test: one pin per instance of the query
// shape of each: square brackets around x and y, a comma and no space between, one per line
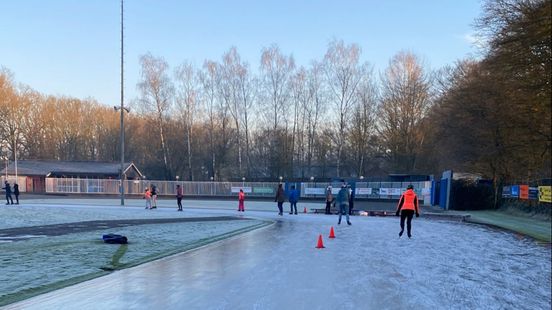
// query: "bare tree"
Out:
[276,71]
[406,99]
[363,122]
[156,95]
[343,75]
[186,98]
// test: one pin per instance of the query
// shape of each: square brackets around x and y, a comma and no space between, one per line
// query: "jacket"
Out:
[343,197]
[280,195]
[241,196]
[408,201]
[293,196]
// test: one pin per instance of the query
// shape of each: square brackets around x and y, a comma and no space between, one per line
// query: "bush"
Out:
[468,195]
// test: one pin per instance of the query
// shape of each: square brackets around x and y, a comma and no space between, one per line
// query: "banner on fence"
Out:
[506,192]
[314,191]
[524,192]
[514,191]
[236,189]
[390,191]
[364,191]
[545,194]
[533,193]
[263,190]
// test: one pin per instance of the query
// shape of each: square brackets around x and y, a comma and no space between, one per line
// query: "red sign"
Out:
[524,192]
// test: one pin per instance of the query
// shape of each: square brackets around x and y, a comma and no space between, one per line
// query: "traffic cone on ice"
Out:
[305,210]
[320,244]
[332,234]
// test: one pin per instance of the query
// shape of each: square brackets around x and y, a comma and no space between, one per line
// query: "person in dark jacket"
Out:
[153,197]
[280,198]
[293,199]
[351,199]
[343,202]
[16,193]
[8,190]
[179,195]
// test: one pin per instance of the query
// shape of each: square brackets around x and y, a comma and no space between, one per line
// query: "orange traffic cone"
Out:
[332,234]
[305,210]
[320,244]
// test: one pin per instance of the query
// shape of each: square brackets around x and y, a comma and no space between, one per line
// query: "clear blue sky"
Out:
[71,47]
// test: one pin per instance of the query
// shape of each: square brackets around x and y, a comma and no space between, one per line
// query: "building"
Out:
[33,173]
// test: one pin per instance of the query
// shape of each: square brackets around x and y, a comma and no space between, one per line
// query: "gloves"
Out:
[397,213]
[417,214]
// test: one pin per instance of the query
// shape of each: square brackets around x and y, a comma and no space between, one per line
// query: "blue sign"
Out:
[506,192]
[515,191]
[533,193]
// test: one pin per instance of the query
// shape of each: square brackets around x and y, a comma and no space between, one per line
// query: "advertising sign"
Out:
[514,191]
[364,191]
[236,189]
[314,191]
[544,194]
[524,192]
[533,193]
[506,192]
[263,190]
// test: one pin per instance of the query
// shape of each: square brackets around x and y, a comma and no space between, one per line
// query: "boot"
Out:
[400,233]
[349,223]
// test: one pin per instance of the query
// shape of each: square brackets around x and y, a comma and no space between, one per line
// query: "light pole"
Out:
[243,182]
[122,109]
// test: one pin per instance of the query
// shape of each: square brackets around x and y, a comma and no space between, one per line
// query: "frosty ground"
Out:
[445,265]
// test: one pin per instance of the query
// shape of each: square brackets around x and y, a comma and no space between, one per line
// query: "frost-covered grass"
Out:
[538,229]
[41,263]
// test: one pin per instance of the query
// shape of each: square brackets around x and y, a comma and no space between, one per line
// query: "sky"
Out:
[72,47]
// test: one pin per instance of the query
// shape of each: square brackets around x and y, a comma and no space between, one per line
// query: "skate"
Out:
[400,233]
[349,223]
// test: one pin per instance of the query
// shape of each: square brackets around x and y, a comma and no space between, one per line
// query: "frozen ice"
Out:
[367,266]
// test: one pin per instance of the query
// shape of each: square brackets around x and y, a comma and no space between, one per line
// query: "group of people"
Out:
[7,188]
[331,200]
[150,195]
[292,196]
[406,208]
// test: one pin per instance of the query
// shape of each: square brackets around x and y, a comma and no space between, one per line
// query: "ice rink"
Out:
[446,265]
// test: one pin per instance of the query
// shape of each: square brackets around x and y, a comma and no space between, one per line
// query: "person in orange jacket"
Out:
[241,199]
[147,197]
[408,205]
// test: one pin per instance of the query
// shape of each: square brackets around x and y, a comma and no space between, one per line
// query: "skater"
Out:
[329,199]
[8,193]
[293,199]
[147,197]
[153,197]
[343,202]
[280,198]
[179,195]
[351,199]
[16,193]
[408,204]
[241,199]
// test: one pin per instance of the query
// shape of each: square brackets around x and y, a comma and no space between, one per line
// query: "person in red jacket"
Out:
[241,199]
[408,205]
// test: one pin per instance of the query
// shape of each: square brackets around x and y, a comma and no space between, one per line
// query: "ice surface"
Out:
[445,265]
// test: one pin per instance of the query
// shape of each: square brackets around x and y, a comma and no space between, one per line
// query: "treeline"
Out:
[229,119]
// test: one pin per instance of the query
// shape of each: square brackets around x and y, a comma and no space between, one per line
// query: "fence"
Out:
[366,190]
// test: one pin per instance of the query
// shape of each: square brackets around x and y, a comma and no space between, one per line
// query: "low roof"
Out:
[48,167]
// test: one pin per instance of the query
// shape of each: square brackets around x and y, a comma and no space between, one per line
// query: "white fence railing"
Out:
[367,190]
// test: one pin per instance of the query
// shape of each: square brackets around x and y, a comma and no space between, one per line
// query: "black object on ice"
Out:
[114,239]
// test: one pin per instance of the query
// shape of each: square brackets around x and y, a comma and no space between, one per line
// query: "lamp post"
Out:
[243,182]
[122,109]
